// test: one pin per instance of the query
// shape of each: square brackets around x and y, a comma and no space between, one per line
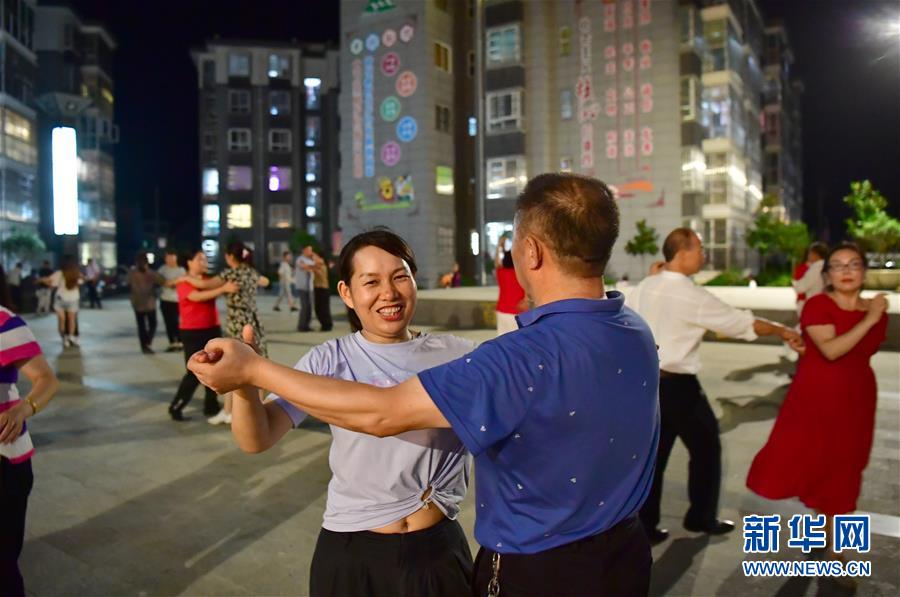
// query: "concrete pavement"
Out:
[127,502]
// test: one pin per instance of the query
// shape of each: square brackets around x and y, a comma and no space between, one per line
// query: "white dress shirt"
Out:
[810,284]
[679,312]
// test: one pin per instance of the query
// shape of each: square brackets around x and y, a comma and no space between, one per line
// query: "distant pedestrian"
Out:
[170,272]
[19,352]
[808,279]
[143,281]
[303,268]
[43,292]
[285,281]
[322,294]
[511,300]
[66,282]
[92,273]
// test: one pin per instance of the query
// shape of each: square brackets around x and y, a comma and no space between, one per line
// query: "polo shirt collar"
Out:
[613,303]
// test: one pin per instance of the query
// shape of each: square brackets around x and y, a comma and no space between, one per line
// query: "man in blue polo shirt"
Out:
[561,415]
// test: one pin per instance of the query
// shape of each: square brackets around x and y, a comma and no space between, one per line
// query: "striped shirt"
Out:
[17,343]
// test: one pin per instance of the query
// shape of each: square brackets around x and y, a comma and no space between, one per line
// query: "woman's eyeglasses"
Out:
[852,266]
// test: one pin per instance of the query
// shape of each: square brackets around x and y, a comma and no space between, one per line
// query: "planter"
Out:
[882,279]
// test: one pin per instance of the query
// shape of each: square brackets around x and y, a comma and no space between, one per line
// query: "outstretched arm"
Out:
[202,283]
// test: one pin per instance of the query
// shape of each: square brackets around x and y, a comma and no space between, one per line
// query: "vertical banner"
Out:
[369,116]
[584,90]
[356,94]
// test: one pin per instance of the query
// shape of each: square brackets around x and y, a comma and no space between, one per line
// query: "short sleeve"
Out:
[228,274]
[817,311]
[55,278]
[486,394]
[316,362]
[17,342]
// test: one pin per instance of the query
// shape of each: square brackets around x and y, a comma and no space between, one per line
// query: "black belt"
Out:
[669,374]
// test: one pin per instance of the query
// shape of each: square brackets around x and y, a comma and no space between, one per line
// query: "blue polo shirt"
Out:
[563,419]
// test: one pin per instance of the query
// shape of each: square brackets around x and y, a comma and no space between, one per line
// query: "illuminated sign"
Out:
[65,180]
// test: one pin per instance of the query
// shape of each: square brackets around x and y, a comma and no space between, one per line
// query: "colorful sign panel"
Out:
[407,129]
[356,92]
[390,153]
[390,109]
[368,116]
[390,64]
[406,84]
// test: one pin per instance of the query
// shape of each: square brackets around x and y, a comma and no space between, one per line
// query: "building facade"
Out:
[75,88]
[19,208]
[408,130]
[268,145]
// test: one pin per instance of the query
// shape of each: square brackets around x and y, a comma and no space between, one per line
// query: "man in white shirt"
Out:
[285,280]
[303,269]
[679,314]
[811,282]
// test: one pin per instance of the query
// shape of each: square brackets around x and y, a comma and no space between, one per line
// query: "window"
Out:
[238,139]
[566,108]
[211,248]
[210,183]
[470,62]
[240,178]
[313,87]
[239,65]
[693,170]
[565,164]
[281,215]
[503,46]
[210,220]
[690,101]
[473,126]
[313,131]
[240,215]
[276,249]
[504,111]
[279,103]
[239,101]
[313,202]
[565,41]
[313,228]
[313,166]
[209,74]
[443,180]
[506,177]
[18,138]
[442,118]
[279,178]
[279,66]
[443,57]
[209,140]
[280,140]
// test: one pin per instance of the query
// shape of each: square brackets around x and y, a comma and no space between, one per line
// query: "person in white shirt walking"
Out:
[679,314]
[303,269]
[285,279]
[810,281]
[92,273]
[171,272]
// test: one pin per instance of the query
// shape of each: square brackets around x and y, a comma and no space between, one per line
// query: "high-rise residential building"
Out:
[408,130]
[268,145]
[76,91]
[782,139]
[18,119]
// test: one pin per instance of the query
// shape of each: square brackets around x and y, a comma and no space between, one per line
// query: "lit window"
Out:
[506,177]
[210,183]
[279,178]
[279,103]
[689,99]
[565,104]
[19,139]
[443,180]
[211,248]
[240,178]
[313,229]
[210,220]
[240,215]
[239,101]
[313,130]
[565,164]
[239,65]
[279,66]
[313,166]
[313,87]
[280,140]
[503,46]
[443,57]
[313,202]
[473,126]
[565,40]
[239,140]
[280,215]
[107,95]
[504,111]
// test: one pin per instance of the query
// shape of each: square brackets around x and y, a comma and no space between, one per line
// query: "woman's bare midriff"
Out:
[425,517]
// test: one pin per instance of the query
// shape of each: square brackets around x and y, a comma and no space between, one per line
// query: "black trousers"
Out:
[146,322]
[195,340]
[305,311]
[322,297]
[93,295]
[15,485]
[615,562]
[685,413]
[434,562]
[170,318]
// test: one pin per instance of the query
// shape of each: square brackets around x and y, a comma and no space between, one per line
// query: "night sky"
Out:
[851,106]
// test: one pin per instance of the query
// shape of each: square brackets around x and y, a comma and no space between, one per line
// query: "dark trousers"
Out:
[93,295]
[322,298]
[15,485]
[15,293]
[615,562]
[195,340]
[305,311]
[170,318]
[434,562]
[685,413]
[146,323]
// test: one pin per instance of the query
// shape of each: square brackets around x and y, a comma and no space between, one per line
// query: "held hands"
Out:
[878,304]
[225,364]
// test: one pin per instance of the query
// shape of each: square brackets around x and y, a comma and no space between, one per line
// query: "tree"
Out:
[871,225]
[644,242]
[764,235]
[792,240]
[301,239]
[22,244]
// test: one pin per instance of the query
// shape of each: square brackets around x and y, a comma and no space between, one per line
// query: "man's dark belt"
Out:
[669,374]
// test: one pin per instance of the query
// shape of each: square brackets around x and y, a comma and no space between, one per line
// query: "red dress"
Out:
[822,437]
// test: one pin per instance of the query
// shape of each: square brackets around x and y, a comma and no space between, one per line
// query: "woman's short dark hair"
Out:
[240,251]
[819,248]
[185,256]
[843,246]
[575,215]
[384,239]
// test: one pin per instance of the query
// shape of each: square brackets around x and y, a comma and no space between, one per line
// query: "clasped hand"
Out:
[226,364]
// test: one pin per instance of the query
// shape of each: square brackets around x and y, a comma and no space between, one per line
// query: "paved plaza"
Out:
[128,502]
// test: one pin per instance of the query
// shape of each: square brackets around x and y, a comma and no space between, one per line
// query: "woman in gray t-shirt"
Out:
[390,520]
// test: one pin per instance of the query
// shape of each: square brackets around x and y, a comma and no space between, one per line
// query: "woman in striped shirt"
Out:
[19,351]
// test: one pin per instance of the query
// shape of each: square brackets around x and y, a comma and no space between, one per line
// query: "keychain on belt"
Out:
[494,584]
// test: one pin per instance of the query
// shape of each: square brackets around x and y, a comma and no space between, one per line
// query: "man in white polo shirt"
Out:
[679,313]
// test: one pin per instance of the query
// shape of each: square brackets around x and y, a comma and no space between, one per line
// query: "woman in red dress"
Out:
[822,437]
